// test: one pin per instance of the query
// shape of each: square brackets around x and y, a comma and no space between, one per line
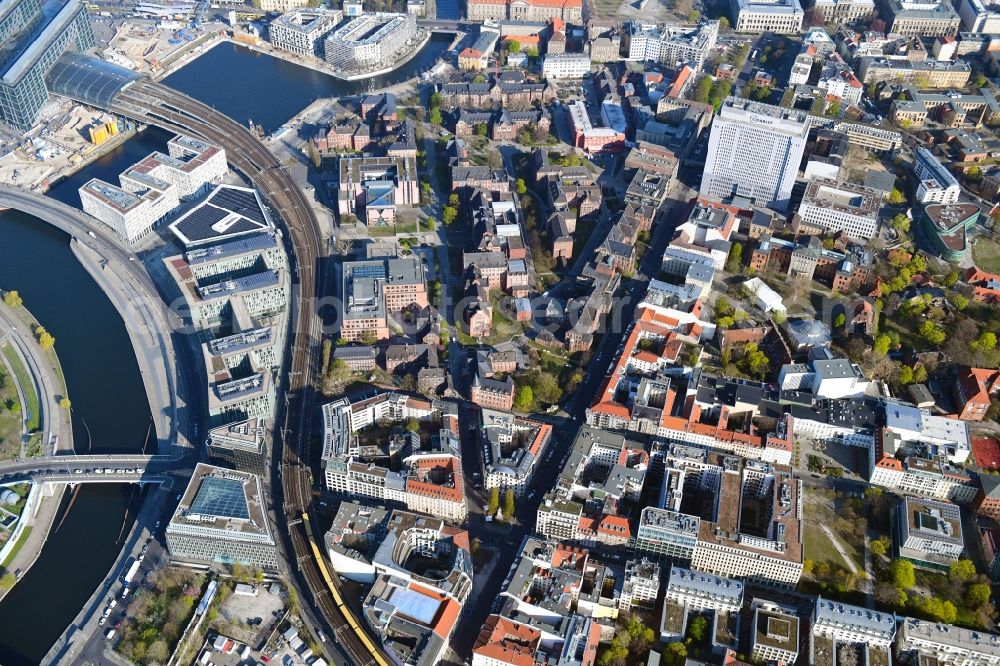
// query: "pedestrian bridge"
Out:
[109,468]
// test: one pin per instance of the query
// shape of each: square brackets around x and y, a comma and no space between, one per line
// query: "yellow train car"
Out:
[374,651]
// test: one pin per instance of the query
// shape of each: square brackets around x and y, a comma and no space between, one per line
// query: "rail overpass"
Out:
[110,468]
[105,86]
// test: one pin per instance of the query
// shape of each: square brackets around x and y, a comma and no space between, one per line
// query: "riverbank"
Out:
[31,532]
[188,54]
[317,65]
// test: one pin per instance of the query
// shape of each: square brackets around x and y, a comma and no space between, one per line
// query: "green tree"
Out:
[962,570]
[675,654]
[754,362]
[724,23]
[327,349]
[901,223]
[12,299]
[508,504]
[453,199]
[735,260]
[932,333]
[839,320]
[519,186]
[64,403]
[436,99]
[959,301]
[431,223]
[977,595]
[482,129]
[881,344]
[896,197]
[449,214]
[314,155]
[950,279]
[494,502]
[698,629]
[904,375]
[45,340]
[435,117]
[616,653]
[880,546]
[524,399]
[513,46]
[987,341]
[902,574]
[337,377]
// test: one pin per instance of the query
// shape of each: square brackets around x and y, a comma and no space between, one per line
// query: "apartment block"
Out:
[424,472]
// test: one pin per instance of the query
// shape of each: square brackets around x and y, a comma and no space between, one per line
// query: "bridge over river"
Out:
[110,468]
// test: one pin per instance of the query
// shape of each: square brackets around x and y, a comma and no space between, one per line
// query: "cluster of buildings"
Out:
[368,452]
[232,279]
[153,188]
[361,43]
[417,572]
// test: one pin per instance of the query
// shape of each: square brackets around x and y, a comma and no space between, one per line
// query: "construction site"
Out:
[74,136]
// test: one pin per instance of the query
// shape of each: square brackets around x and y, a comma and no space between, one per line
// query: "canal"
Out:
[110,411]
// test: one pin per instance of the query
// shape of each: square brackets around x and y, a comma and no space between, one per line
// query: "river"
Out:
[110,412]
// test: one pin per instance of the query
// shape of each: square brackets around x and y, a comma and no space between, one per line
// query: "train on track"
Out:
[331,584]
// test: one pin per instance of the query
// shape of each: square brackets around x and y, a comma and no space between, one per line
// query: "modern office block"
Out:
[754,151]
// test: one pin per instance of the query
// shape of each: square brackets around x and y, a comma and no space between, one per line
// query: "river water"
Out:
[110,411]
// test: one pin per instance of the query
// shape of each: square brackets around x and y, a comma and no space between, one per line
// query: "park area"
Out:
[833,540]
[12,375]
[986,254]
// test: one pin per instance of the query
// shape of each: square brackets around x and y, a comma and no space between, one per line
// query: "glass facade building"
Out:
[33,34]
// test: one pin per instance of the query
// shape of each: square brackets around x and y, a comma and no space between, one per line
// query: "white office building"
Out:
[846,207]
[845,623]
[929,533]
[775,632]
[830,379]
[699,591]
[642,584]
[566,66]
[947,644]
[672,44]
[801,69]
[131,211]
[937,184]
[758,16]
[754,151]
[300,30]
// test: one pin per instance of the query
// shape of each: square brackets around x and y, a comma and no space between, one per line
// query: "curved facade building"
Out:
[369,41]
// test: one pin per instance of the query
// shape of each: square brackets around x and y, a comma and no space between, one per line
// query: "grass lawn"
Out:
[986,254]
[10,419]
[818,546]
[27,385]
[17,547]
